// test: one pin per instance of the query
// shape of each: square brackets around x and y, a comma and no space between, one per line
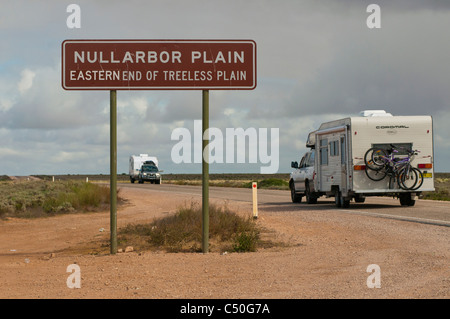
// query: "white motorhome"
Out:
[335,165]
[135,168]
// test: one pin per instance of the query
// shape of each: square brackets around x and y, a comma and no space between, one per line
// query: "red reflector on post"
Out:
[359,167]
[429,165]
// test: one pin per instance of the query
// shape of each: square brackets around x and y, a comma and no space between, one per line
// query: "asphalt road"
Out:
[424,211]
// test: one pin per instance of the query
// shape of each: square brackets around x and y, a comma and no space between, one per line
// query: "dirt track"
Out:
[327,257]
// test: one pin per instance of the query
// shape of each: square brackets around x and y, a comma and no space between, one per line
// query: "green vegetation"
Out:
[182,232]
[271,181]
[44,198]
[442,186]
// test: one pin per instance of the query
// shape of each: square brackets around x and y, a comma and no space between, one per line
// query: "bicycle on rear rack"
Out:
[380,163]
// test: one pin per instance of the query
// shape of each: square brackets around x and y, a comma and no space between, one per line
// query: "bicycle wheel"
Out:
[375,175]
[375,158]
[419,181]
[410,178]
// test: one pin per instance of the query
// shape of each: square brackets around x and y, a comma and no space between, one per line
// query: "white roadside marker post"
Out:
[255,200]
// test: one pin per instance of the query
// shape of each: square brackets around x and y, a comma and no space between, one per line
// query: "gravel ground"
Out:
[327,254]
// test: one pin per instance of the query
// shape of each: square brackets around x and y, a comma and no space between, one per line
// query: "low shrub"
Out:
[182,231]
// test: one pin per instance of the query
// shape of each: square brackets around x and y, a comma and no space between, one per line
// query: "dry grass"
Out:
[182,232]
[272,181]
[43,198]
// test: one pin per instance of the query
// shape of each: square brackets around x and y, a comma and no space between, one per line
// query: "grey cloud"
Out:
[316,60]
[400,67]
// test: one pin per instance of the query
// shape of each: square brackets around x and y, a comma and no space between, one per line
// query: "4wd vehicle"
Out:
[301,179]
[149,173]
[136,162]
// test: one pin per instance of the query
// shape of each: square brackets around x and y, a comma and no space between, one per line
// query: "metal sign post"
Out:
[205,171]
[113,169]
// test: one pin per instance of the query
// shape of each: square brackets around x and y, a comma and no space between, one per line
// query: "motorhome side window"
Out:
[334,148]
[324,152]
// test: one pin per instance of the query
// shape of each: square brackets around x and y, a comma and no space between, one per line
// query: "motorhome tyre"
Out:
[337,198]
[345,203]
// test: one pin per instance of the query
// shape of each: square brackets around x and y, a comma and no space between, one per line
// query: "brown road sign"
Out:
[158,64]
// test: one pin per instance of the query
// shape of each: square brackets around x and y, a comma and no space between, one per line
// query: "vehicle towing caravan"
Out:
[374,154]
[144,168]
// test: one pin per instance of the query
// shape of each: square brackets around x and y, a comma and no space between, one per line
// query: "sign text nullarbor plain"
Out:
[157,57]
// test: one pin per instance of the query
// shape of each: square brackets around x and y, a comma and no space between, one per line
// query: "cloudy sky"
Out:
[317,61]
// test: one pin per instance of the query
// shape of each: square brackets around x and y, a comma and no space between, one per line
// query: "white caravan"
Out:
[136,162]
[335,165]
